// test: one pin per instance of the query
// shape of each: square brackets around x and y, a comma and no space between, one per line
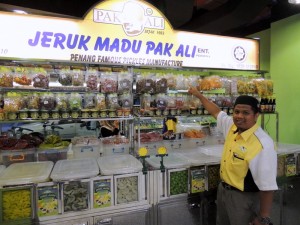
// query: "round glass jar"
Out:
[119,112]
[94,113]
[85,113]
[65,114]
[45,114]
[126,112]
[103,113]
[112,113]
[23,114]
[34,114]
[55,115]
[12,115]
[75,114]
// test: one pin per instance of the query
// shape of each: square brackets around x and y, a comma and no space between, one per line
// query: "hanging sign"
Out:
[121,32]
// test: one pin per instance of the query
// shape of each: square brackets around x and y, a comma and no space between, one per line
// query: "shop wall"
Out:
[284,71]
[265,58]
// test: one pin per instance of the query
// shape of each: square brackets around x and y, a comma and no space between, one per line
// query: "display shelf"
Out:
[276,114]
[70,120]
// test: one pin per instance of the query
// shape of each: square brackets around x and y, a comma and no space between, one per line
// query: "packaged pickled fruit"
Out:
[191,81]
[219,100]
[24,101]
[75,196]
[89,101]
[161,101]
[227,101]
[65,77]
[75,101]
[193,102]
[6,77]
[109,83]
[199,83]
[178,182]
[179,101]
[78,77]
[210,83]
[261,86]
[234,85]
[22,76]
[172,81]
[47,101]
[146,101]
[100,101]
[242,85]
[2,114]
[92,79]
[16,204]
[180,85]
[226,84]
[251,87]
[125,81]
[270,87]
[112,101]
[12,103]
[161,83]
[145,83]
[171,100]
[33,101]
[126,100]
[62,101]
[40,78]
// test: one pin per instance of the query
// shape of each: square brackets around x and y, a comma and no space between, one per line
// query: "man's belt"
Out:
[229,187]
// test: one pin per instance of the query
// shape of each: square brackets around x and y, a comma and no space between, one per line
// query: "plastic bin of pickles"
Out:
[16,204]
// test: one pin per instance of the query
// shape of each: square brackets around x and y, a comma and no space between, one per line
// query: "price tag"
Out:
[290,165]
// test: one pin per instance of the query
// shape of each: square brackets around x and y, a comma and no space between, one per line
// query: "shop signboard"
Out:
[121,32]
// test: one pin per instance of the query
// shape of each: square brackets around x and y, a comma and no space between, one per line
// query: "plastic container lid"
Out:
[26,173]
[283,148]
[70,169]
[2,167]
[173,160]
[119,164]
[196,158]
[212,150]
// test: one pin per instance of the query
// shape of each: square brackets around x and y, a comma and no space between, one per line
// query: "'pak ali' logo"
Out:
[239,53]
[133,18]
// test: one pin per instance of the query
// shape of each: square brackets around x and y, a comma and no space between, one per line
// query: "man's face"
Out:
[244,117]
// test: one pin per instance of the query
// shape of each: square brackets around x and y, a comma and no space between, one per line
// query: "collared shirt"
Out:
[251,150]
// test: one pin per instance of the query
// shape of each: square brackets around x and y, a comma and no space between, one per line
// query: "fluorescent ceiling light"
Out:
[19,11]
[294,1]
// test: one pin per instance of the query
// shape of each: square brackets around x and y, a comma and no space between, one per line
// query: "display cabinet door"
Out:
[178,213]
[83,221]
[291,199]
[140,217]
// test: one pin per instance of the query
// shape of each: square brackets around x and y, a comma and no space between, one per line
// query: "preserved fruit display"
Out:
[16,204]
[75,196]
[178,182]
[6,77]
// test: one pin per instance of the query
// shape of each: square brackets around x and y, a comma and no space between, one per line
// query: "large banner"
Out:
[121,32]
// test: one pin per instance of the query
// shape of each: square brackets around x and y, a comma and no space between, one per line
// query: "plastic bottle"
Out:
[273,105]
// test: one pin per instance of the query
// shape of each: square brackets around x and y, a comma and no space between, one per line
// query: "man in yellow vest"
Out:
[248,165]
